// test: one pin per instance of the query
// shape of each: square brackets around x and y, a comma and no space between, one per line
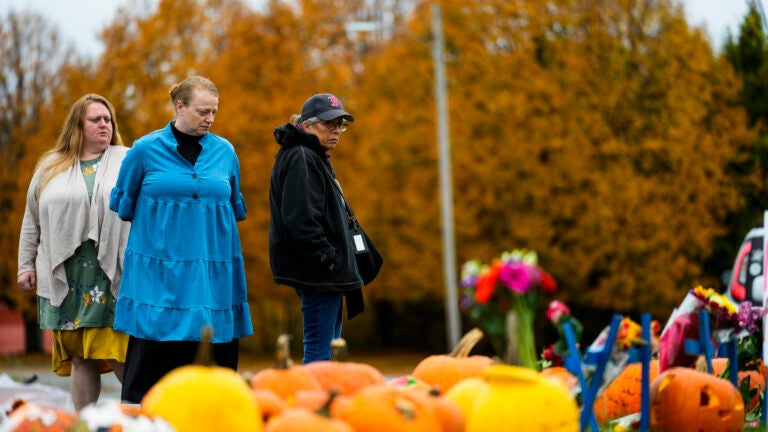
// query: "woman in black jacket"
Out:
[312,231]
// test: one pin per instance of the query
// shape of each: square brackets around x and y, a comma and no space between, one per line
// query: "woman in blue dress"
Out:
[183,268]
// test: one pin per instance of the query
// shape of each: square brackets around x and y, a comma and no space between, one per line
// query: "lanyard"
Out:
[353,224]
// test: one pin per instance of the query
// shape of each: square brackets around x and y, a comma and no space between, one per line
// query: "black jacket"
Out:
[309,228]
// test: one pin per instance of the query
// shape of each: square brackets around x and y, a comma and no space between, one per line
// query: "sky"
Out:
[79,21]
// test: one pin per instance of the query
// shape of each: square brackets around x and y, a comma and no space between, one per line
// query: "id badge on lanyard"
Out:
[358,241]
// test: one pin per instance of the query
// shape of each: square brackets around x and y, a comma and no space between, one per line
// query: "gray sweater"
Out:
[62,219]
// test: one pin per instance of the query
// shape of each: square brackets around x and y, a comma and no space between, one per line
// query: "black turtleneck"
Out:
[189,145]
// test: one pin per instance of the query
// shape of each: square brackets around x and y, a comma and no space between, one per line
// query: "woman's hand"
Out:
[27,281]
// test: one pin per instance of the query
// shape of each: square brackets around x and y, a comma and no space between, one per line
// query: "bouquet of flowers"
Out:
[727,321]
[502,297]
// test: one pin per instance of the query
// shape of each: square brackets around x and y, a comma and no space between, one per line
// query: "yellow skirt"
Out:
[95,343]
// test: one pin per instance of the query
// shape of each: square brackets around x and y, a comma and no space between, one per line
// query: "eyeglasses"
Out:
[342,124]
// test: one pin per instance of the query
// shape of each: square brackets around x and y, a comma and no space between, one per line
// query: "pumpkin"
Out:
[448,412]
[409,382]
[381,407]
[315,399]
[445,370]
[299,419]
[464,393]
[684,399]
[561,375]
[284,378]
[202,396]
[756,380]
[520,399]
[622,396]
[269,403]
[28,417]
[113,416]
[339,374]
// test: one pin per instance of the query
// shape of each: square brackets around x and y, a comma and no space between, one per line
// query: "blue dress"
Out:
[183,266]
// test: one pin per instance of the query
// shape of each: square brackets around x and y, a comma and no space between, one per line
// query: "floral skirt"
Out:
[99,343]
[82,324]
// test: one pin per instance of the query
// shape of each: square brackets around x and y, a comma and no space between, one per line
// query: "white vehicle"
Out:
[746,279]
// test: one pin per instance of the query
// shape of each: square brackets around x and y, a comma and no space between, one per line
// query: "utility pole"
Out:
[452,318]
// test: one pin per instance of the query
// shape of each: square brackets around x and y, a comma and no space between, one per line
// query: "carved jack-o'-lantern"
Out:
[684,399]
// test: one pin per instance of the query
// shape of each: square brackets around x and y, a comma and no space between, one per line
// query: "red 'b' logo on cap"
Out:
[334,101]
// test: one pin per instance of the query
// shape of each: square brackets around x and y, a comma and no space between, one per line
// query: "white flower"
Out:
[96,294]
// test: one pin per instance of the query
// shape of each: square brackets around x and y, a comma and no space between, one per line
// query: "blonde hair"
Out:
[66,151]
[182,90]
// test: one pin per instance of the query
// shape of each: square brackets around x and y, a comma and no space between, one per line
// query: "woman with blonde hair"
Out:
[184,269]
[71,247]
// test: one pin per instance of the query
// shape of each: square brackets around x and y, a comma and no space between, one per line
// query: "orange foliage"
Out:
[575,131]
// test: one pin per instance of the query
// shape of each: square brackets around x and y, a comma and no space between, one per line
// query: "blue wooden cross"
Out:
[730,349]
[573,363]
[702,345]
[642,354]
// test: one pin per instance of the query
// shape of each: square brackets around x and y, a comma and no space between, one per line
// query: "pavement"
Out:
[37,383]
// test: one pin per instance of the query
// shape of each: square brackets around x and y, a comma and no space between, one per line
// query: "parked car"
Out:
[745,282]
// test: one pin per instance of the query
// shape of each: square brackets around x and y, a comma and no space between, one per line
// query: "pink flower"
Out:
[557,310]
[516,276]
[552,356]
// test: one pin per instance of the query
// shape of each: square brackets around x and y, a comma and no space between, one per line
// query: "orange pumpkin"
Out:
[28,417]
[339,374]
[756,380]
[561,375]
[315,399]
[445,370]
[269,402]
[409,382]
[447,411]
[622,396]
[299,419]
[285,379]
[684,399]
[381,407]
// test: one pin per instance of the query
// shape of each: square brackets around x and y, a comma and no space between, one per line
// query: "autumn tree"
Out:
[31,55]
[594,132]
[749,57]
[602,134]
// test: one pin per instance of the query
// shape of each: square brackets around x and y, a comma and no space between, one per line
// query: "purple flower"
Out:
[517,276]
[748,317]
[465,302]
[468,282]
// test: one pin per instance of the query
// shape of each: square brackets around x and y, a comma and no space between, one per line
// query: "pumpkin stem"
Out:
[701,364]
[325,410]
[467,342]
[204,356]
[405,408]
[339,350]
[284,360]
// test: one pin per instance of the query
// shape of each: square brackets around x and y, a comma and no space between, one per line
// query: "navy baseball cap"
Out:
[324,106]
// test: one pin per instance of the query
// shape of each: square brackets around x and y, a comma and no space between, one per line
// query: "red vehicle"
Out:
[746,280]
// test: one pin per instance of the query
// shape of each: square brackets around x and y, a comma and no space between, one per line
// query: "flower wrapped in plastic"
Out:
[727,321]
[502,297]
